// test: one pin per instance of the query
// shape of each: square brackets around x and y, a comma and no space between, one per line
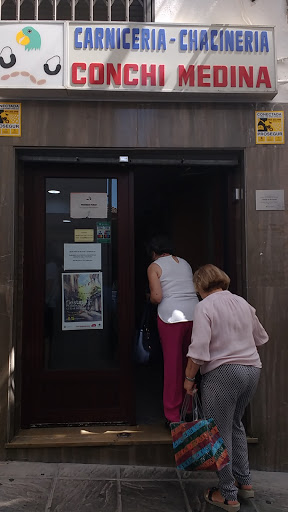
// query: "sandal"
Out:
[224,505]
[245,493]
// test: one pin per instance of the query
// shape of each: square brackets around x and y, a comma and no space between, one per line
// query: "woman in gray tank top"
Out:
[171,287]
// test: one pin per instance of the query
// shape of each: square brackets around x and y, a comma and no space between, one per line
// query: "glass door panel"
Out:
[78,317]
[81,274]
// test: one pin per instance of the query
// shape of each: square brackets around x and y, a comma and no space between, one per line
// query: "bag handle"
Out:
[196,407]
[145,317]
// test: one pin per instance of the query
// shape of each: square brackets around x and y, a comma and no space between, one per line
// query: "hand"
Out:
[190,387]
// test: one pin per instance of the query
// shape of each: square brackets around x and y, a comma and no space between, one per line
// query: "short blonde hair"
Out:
[209,278]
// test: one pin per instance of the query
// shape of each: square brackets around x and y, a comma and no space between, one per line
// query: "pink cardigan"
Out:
[225,330]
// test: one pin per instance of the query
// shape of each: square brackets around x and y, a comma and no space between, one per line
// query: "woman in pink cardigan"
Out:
[224,342]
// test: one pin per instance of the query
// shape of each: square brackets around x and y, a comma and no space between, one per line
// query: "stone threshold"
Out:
[57,437]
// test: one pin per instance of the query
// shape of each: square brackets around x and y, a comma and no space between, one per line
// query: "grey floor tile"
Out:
[269,498]
[152,497]
[147,473]
[84,496]
[247,506]
[195,492]
[27,469]
[269,505]
[199,475]
[21,495]
[87,471]
[270,480]
[271,491]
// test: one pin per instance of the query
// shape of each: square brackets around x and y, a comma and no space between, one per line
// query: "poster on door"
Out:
[82,301]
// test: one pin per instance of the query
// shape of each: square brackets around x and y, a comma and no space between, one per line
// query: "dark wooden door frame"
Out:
[55,156]
[33,353]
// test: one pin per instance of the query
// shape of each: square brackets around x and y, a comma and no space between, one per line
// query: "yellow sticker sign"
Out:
[83,235]
[269,127]
[10,119]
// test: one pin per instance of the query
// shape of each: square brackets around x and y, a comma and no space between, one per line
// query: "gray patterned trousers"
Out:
[226,392]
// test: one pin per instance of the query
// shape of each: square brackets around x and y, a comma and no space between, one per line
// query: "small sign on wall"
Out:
[10,119]
[269,127]
[270,200]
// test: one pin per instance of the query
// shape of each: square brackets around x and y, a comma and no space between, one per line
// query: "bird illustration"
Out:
[30,38]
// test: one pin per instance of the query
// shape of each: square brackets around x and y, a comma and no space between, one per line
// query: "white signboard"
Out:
[270,200]
[32,55]
[85,205]
[82,256]
[165,58]
[219,59]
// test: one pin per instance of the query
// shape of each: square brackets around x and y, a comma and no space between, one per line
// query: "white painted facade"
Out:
[241,12]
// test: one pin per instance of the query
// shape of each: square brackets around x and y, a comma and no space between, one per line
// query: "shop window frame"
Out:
[15,10]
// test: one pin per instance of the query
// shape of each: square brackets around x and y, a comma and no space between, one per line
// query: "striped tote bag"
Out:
[197,444]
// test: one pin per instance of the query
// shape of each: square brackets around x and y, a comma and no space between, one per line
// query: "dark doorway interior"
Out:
[198,208]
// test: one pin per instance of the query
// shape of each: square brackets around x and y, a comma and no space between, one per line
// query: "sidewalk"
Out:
[39,487]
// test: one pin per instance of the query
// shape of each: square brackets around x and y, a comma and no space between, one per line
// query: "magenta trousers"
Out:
[175,340]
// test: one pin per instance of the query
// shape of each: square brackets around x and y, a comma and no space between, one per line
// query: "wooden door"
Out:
[78,317]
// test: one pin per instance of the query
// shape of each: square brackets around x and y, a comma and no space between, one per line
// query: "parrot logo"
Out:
[30,38]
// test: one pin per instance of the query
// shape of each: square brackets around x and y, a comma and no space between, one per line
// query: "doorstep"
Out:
[140,445]
[90,436]
[64,437]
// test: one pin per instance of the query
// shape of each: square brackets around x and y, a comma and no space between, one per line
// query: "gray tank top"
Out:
[178,293]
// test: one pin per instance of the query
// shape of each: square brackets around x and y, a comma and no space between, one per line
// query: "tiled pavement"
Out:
[38,487]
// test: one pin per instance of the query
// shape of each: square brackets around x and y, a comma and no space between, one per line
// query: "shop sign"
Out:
[32,55]
[10,119]
[269,127]
[172,58]
[138,57]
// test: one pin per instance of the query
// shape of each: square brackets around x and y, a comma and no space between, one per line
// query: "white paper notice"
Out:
[82,256]
[88,206]
[270,200]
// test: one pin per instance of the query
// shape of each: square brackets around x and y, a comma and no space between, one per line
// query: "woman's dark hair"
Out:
[160,244]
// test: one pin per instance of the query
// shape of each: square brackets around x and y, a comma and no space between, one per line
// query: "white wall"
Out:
[241,12]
